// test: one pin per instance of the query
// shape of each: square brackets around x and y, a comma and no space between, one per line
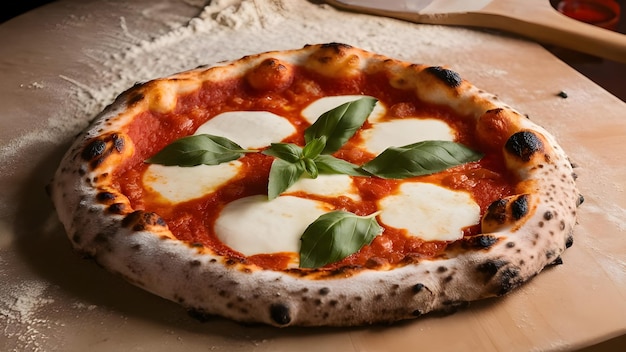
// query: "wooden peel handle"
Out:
[549,26]
[533,19]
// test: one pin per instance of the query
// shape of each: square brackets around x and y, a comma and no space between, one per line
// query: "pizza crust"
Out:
[522,234]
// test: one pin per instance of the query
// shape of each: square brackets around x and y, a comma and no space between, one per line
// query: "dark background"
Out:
[10,9]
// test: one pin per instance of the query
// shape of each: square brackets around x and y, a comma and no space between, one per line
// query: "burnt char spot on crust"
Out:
[524,144]
[280,314]
[491,267]
[449,77]
[497,211]
[509,279]
[105,197]
[506,276]
[94,150]
[139,220]
[581,200]
[417,288]
[134,98]
[117,208]
[569,241]
[118,142]
[336,46]
[557,261]
[101,148]
[483,241]
[519,207]
[506,211]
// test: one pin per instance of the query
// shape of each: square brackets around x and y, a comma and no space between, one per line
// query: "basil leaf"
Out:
[283,174]
[286,151]
[198,149]
[422,158]
[314,147]
[334,236]
[340,124]
[328,164]
[310,167]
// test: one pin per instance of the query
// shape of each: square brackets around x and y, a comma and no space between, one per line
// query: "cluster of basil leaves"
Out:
[337,234]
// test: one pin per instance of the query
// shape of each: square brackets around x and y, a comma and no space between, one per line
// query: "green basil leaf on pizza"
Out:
[286,151]
[328,164]
[314,147]
[197,150]
[336,235]
[418,159]
[340,124]
[283,174]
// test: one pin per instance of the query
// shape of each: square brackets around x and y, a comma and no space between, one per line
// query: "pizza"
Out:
[322,186]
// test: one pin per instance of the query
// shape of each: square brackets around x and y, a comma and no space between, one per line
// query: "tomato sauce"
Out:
[193,221]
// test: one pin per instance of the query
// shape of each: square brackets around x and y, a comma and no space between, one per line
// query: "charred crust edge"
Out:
[451,78]
[524,144]
[280,313]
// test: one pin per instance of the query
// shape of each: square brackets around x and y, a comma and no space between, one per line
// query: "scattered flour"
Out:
[19,305]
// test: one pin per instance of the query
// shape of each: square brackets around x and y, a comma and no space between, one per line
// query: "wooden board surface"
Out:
[61,63]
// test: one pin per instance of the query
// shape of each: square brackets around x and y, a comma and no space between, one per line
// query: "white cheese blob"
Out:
[327,186]
[179,184]
[312,112]
[254,225]
[430,212]
[249,129]
[400,132]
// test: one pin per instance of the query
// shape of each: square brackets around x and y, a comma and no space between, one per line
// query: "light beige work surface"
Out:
[59,65]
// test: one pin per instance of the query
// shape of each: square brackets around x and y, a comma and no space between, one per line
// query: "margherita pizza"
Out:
[321,186]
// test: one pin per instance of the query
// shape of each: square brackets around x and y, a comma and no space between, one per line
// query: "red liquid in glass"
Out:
[600,13]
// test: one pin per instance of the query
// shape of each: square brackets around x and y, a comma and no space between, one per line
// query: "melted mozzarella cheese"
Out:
[327,186]
[400,132]
[179,184]
[312,112]
[254,225]
[430,212]
[249,129]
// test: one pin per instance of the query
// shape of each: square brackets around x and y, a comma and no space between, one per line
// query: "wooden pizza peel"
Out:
[57,60]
